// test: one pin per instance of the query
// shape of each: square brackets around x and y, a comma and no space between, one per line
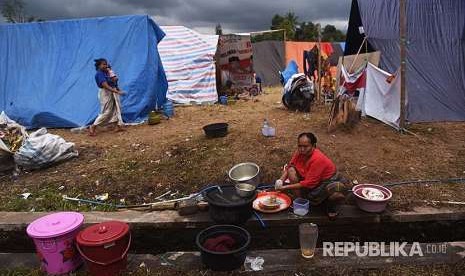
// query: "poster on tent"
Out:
[235,60]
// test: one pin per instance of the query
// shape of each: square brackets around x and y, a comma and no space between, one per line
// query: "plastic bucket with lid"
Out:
[54,237]
[105,247]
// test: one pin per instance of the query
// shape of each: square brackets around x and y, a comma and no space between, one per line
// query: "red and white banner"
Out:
[235,60]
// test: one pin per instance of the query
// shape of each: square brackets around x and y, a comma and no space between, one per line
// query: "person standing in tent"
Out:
[110,107]
[311,174]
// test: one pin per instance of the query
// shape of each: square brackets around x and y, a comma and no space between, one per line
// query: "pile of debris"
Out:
[30,151]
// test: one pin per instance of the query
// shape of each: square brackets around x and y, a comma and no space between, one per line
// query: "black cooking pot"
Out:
[216,130]
[225,206]
[223,261]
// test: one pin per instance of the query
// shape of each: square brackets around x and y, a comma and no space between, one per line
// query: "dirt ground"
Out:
[146,161]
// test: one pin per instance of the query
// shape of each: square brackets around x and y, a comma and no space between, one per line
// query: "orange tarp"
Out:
[295,51]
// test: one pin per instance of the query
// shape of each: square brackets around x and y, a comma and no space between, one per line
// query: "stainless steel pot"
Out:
[245,173]
[245,189]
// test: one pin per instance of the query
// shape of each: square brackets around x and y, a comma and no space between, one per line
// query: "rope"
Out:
[419,181]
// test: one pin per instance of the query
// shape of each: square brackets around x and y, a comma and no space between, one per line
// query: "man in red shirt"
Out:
[312,174]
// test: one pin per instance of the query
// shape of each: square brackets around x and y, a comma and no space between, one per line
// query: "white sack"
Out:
[41,149]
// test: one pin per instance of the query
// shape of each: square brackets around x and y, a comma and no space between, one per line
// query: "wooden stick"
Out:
[403,32]
[435,201]
[414,134]
[356,56]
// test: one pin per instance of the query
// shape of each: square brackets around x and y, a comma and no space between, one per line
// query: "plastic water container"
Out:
[54,236]
[267,130]
[224,100]
[168,109]
[301,206]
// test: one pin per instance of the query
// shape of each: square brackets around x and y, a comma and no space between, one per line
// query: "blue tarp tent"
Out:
[47,69]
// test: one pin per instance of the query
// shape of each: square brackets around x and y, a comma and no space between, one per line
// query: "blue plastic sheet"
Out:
[47,69]
[291,69]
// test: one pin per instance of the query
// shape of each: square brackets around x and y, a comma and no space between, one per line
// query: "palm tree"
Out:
[291,19]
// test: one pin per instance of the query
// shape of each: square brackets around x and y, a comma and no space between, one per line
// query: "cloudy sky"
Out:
[201,15]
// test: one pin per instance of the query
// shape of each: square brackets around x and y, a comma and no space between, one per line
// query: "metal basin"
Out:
[245,189]
[245,173]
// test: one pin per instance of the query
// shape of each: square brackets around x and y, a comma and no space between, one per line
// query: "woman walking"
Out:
[110,106]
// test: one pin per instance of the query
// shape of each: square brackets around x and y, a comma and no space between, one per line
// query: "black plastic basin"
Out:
[216,130]
[227,207]
[224,261]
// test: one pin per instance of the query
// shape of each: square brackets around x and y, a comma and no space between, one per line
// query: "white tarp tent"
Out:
[189,62]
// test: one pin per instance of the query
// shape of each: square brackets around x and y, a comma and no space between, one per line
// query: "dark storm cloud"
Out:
[233,15]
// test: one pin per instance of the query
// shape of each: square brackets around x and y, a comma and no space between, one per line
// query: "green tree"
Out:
[288,22]
[14,12]
[291,20]
[331,34]
[276,24]
[307,32]
[276,21]
[300,31]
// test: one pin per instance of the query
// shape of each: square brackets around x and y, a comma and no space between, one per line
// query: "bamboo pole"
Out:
[318,97]
[268,31]
[403,40]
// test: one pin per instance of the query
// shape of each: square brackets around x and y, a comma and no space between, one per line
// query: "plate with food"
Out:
[271,202]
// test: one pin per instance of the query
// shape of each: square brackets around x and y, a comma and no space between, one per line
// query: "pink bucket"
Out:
[55,237]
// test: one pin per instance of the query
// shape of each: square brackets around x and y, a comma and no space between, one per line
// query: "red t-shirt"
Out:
[314,169]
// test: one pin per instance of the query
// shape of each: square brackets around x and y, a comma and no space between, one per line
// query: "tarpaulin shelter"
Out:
[270,57]
[268,60]
[435,61]
[295,51]
[291,69]
[47,69]
[189,62]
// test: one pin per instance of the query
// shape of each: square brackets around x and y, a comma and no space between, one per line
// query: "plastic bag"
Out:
[41,149]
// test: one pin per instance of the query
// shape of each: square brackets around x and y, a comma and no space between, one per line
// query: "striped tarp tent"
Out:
[188,60]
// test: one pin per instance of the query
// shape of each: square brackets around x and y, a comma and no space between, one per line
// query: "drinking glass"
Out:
[308,236]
